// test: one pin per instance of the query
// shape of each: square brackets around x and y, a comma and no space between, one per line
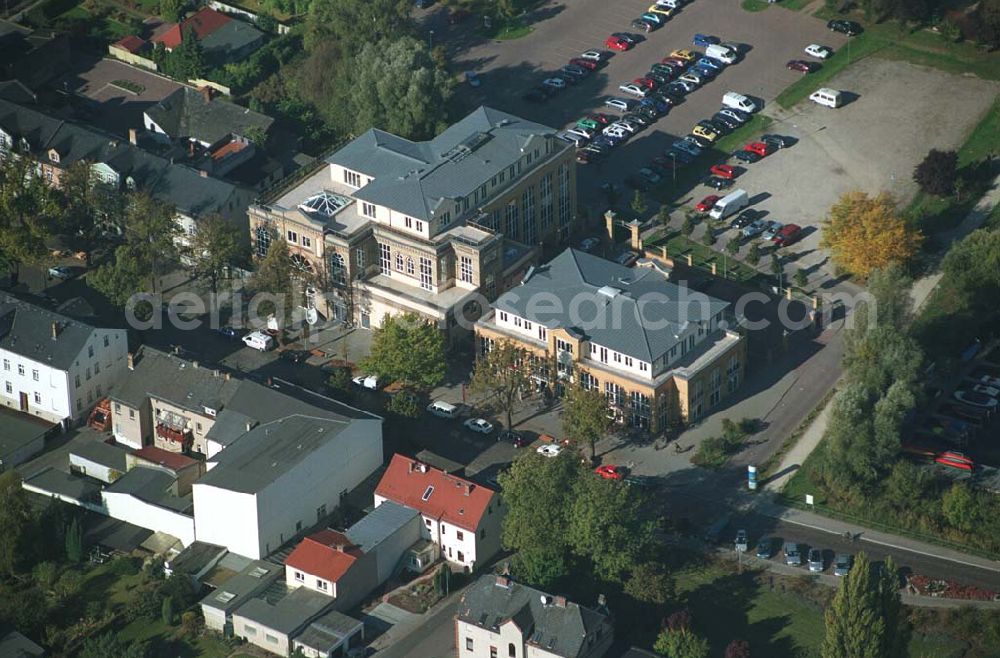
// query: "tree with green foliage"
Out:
[865,619]
[74,542]
[349,22]
[151,234]
[681,643]
[109,645]
[801,278]
[960,508]
[754,253]
[119,279]
[501,376]
[45,574]
[187,60]
[585,416]
[215,248]
[170,10]
[663,214]
[408,349]
[776,268]
[15,522]
[28,208]
[733,246]
[709,237]
[638,204]
[404,404]
[167,610]
[340,379]
[395,86]
[687,227]
[649,582]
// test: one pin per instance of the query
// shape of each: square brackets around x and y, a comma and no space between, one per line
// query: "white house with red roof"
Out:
[462,517]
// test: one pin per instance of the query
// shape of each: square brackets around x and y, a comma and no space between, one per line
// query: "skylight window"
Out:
[324,203]
[225,597]
[427,494]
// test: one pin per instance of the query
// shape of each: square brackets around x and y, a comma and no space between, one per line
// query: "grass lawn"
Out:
[515,29]
[794,5]
[678,247]
[755,5]
[895,41]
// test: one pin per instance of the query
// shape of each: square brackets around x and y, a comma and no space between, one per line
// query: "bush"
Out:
[123,566]
[404,405]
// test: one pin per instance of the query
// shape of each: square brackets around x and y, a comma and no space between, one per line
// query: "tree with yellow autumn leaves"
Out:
[864,233]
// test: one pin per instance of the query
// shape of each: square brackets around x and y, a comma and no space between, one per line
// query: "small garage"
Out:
[22,438]
[99,460]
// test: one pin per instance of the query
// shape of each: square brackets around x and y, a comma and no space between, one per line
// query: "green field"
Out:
[678,246]
[755,5]
[794,5]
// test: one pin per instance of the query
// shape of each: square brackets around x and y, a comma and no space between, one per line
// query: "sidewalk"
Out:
[795,457]
[767,506]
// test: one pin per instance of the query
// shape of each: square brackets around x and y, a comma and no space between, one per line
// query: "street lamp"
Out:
[673,169]
[430,40]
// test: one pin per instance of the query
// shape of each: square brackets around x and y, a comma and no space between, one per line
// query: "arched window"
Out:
[301,264]
[338,273]
[511,650]
[263,235]
[399,262]
[409,266]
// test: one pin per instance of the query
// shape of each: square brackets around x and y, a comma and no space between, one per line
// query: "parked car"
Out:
[588,64]
[702,40]
[589,243]
[60,272]
[554,83]
[692,78]
[723,171]
[617,43]
[744,219]
[633,90]
[706,204]
[651,176]
[661,10]
[259,340]
[754,229]
[991,391]
[975,399]
[788,234]
[622,104]
[705,133]
[771,230]
[741,543]
[815,560]
[228,331]
[717,183]
[630,38]
[654,17]
[802,66]
[549,450]
[593,55]
[472,78]
[711,63]
[850,28]
[727,121]
[793,557]
[627,258]
[580,131]
[985,379]
[739,115]
[679,155]
[765,548]
[626,125]
[587,124]
[611,472]
[687,146]
[479,425]
[644,25]
[575,71]
[818,51]
[512,437]
[760,148]
[777,141]
[294,356]
[646,83]
[706,73]
[748,157]
[683,54]
[842,564]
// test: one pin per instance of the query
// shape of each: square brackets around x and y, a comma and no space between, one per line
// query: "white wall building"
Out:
[460,516]
[281,477]
[55,367]
[147,497]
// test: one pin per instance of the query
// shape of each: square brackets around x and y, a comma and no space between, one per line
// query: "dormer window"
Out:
[53,155]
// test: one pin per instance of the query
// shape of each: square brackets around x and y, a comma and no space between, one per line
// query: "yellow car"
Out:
[657,9]
[686,55]
[704,133]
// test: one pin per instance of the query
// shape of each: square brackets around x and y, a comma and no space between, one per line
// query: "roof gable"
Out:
[327,554]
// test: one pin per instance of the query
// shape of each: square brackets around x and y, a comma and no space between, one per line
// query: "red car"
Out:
[788,234]
[648,83]
[617,43]
[611,472]
[723,171]
[760,148]
[802,66]
[601,117]
[588,64]
[706,204]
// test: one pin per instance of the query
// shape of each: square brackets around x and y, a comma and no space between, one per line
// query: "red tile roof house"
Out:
[223,38]
[459,515]
[329,563]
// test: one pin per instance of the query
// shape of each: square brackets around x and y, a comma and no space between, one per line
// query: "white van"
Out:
[721,53]
[738,102]
[443,409]
[828,97]
[258,340]
[727,205]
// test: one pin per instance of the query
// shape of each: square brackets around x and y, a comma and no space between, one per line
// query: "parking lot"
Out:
[509,68]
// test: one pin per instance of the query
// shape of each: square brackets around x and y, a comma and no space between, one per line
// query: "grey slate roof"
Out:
[150,485]
[186,113]
[231,39]
[244,585]
[380,524]
[15,645]
[174,379]
[101,453]
[266,452]
[329,630]
[561,630]
[414,177]
[176,184]
[635,311]
[289,614]
[26,330]
[55,481]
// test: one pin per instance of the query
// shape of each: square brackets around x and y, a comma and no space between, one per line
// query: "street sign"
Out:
[752,477]
[809,499]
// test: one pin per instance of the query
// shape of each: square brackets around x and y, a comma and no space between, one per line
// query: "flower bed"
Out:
[924,586]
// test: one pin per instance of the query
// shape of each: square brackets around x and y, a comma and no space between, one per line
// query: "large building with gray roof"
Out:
[55,367]
[398,226]
[661,352]
[497,612]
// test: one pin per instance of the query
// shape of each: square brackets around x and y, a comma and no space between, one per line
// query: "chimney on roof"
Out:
[130,360]
[561,601]
[249,425]
[55,329]
[190,149]
[226,375]
[203,173]
[206,93]
[194,364]
[340,548]
[468,488]
[503,581]
[133,135]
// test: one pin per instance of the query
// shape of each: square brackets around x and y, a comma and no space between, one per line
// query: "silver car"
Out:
[755,229]
[793,557]
[771,230]
[815,560]
[842,565]
[618,103]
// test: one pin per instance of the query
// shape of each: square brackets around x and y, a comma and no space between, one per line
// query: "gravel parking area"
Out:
[872,144]
[509,68]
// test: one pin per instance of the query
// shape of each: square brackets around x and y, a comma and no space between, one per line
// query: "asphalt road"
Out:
[435,638]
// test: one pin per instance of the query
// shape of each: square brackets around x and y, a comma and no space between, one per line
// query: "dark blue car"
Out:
[657,104]
[703,40]
[710,63]
[704,71]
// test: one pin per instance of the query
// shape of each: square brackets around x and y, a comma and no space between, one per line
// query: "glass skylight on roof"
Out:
[324,203]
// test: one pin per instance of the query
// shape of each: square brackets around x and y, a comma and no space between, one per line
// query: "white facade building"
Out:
[55,367]
[281,477]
